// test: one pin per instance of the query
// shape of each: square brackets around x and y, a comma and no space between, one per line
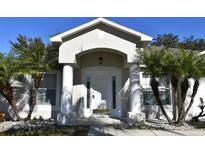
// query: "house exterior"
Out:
[99,70]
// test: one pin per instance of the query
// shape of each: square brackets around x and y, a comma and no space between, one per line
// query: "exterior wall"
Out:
[22,97]
[93,39]
[22,94]
[79,101]
[125,92]
[153,111]
[195,109]
[109,59]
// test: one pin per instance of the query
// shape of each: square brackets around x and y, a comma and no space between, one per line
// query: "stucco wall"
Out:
[92,59]
[201,93]
[96,38]
[23,96]
[125,91]
[153,111]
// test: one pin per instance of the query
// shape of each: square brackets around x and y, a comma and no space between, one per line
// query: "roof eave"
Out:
[59,37]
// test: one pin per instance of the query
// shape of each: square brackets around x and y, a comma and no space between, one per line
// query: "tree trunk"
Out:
[7,93]
[33,103]
[174,82]
[37,82]
[16,112]
[179,100]
[184,88]
[194,92]
[154,84]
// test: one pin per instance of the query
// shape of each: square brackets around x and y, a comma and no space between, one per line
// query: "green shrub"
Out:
[101,111]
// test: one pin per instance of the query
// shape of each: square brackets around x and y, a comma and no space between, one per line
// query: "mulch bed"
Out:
[161,125]
[45,128]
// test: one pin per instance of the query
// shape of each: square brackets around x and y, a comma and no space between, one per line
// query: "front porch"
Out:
[100,83]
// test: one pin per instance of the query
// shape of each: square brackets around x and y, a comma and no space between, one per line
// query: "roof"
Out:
[174,50]
[59,37]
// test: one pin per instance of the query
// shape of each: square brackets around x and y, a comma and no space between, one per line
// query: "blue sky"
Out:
[45,27]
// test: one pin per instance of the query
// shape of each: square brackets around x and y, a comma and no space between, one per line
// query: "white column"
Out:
[67,87]
[135,94]
[135,89]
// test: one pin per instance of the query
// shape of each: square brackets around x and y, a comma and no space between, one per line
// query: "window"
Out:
[148,95]
[47,90]
[88,92]
[114,92]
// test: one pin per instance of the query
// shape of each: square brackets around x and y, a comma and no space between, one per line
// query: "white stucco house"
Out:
[99,70]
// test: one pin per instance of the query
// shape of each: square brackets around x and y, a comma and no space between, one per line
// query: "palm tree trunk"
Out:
[179,99]
[195,89]
[33,104]
[184,88]
[174,82]
[16,112]
[7,93]
[37,82]
[154,85]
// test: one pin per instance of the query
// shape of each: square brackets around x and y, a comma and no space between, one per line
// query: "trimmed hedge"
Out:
[101,111]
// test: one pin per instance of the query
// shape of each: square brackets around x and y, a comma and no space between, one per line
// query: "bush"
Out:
[101,111]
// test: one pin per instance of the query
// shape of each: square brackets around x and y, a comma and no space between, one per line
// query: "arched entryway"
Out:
[103,72]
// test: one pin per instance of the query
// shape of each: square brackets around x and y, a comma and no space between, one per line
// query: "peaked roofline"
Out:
[59,37]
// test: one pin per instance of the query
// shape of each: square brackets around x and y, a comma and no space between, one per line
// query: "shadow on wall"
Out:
[136,90]
[75,109]
[78,107]
[22,99]
[75,112]
[151,112]
[22,92]
[125,96]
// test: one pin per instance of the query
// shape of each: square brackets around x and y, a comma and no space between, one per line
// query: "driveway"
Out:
[111,131]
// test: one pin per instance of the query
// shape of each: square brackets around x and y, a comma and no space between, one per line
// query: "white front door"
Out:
[101,84]
[104,84]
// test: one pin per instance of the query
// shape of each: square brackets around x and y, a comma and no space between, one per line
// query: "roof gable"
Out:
[60,37]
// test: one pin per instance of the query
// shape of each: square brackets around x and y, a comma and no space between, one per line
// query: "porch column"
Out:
[66,97]
[135,113]
[67,88]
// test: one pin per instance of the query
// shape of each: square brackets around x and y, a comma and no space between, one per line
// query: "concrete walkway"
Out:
[111,131]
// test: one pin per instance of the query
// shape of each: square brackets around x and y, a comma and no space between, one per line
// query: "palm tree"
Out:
[9,67]
[196,70]
[179,66]
[36,60]
[172,69]
[182,66]
[154,61]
